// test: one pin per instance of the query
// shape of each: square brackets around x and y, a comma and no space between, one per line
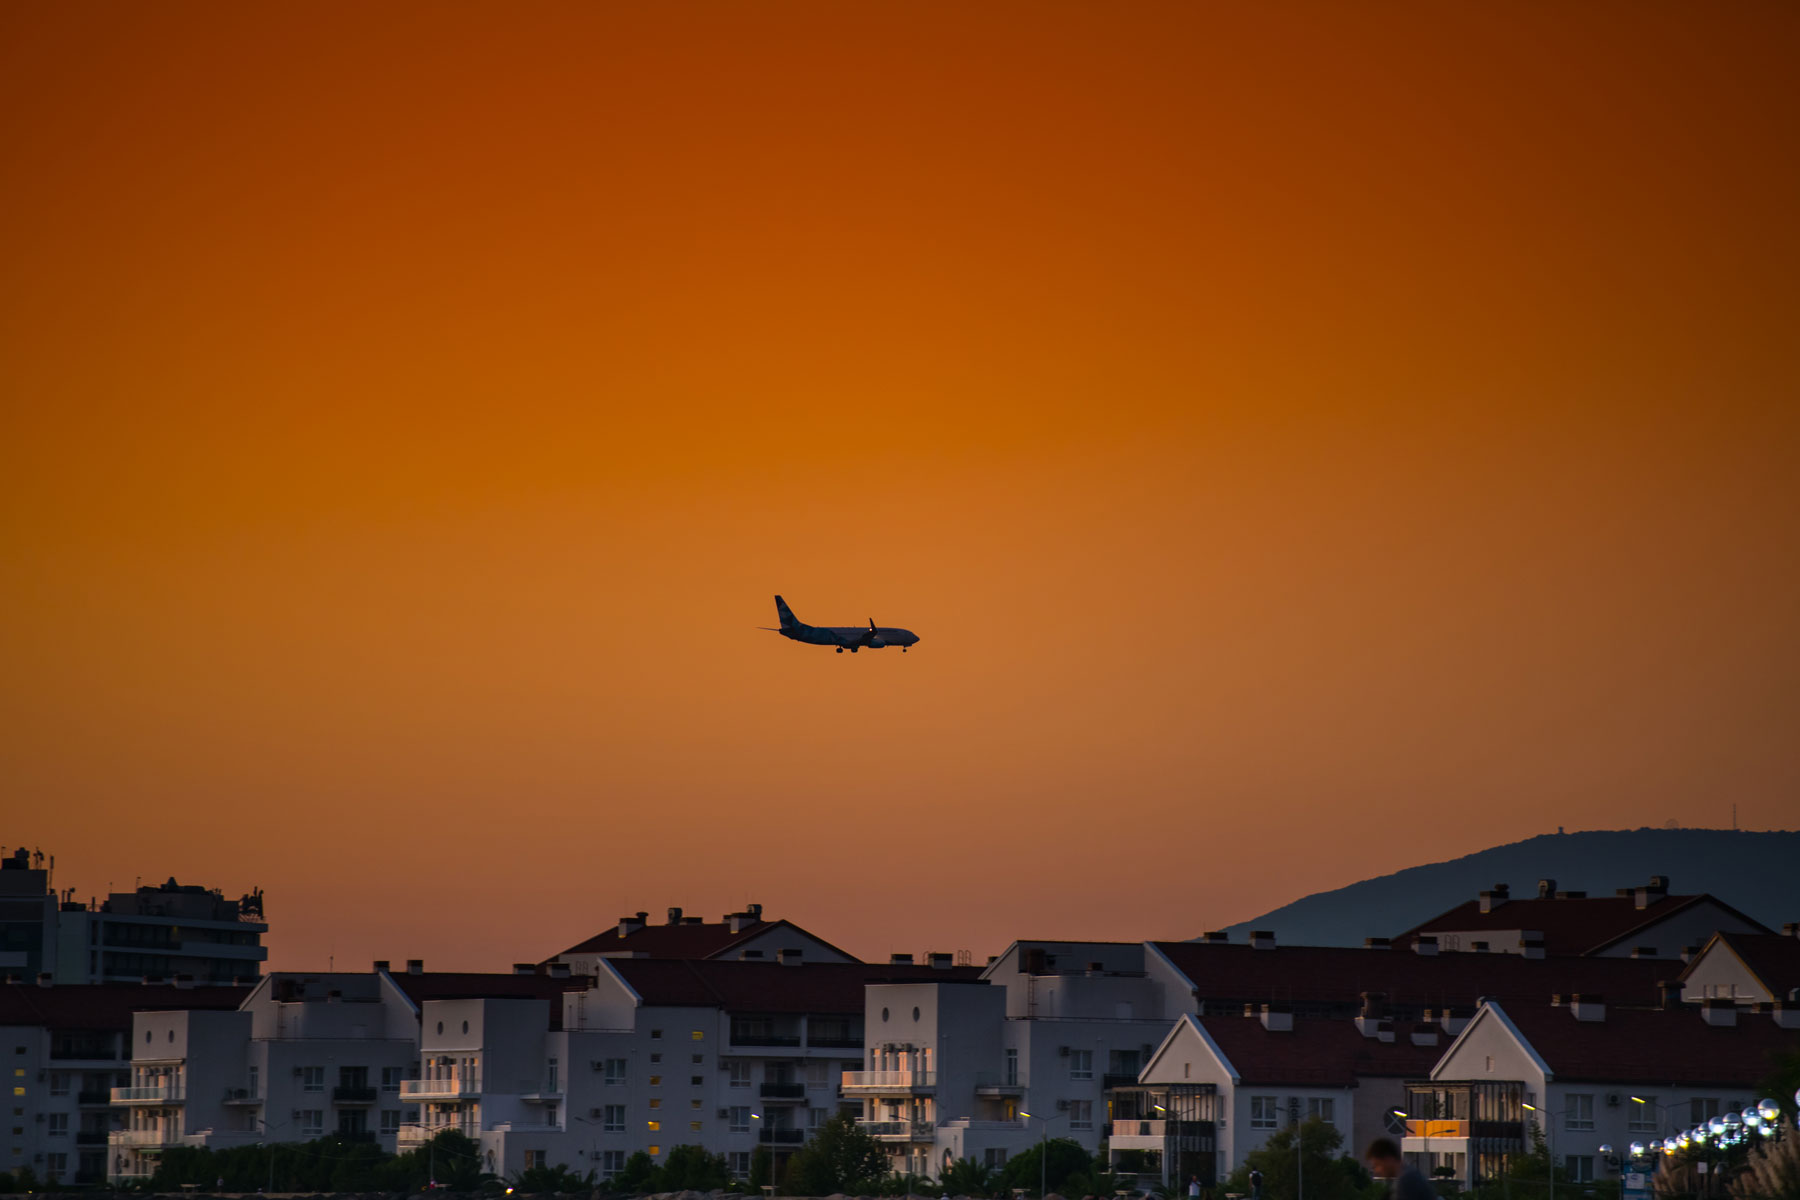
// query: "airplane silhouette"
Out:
[841,637]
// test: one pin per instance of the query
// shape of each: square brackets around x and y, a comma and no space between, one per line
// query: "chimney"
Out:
[44,979]
[1791,929]
[1277,1019]
[1452,1022]
[1659,885]
[750,955]
[1370,1021]
[1425,944]
[630,925]
[900,960]
[1494,898]
[1215,937]
[1668,994]
[754,911]
[1262,939]
[1571,895]
[1688,953]
[415,966]
[1531,944]
[1786,1014]
[381,964]
[559,970]
[1718,1012]
[1587,1006]
[1643,952]
[674,916]
[1424,1035]
[524,969]
[941,962]
[1378,943]
[788,956]
[1546,888]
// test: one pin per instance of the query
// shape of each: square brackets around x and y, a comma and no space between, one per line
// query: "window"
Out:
[59,1083]
[655,1102]
[534,1159]
[551,1114]
[1702,1108]
[1081,1064]
[390,1078]
[656,1081]
[312,1079]
[655,1058]
[1012,1068]
[1644,1111]
[612,1119]
[554,1077]
[699,1035]
[615,1070]
[1581,1111]
[1122,1062]
[1580,1168]
[816,1117]
[1081,1114]
[737,1072]
[256,1083]
[655,1150]
[696,1103]
[390,1120]
[697,1080]
[1264,1112]
[738,1162]
[1322,1107]
[59,1125]
[699,1060]
[312,1122]
[693,1127]
[612,1162]
[994,1157]
[59,1165]
[656,1035]
[655,1126]
[818,1074]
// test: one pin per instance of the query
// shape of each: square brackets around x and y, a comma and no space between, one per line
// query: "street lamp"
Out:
[266,1126]
[1043,1150]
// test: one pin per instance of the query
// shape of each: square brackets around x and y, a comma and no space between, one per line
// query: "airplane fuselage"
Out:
[841,637]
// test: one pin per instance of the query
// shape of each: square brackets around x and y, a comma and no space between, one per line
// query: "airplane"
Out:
[841,637]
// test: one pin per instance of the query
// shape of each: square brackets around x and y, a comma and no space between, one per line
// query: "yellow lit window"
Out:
[18,1091]
[655,1102]
[656,1081]
[655,1126]
[694,1125]
[699,1035]
[655,1150]
[695,1103]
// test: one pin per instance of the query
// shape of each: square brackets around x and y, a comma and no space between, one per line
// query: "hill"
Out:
[1753,872]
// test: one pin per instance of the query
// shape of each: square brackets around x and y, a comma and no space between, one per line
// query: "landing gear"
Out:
[854,649]
[840,649]
[903,649]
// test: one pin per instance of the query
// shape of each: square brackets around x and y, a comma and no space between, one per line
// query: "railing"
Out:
[96,1096]
[765,1039]
[240,1096]
[1111,1080]
[890,1079]
[91,1137]
[995,1082]
[166,1093]
[835,1041]
[353,1095]
[87,1053]
[987,1126]
[426,1089]
[782,1137]
[411,1137]
[912,1131]
[783,1091]
[142,1137]
[1435,1128]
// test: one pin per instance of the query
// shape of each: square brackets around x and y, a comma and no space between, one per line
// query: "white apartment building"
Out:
[1748,968]
[63,1050]
[1588,1075]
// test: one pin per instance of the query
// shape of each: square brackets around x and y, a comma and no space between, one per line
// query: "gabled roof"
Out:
[1570,925]
[1672,1047]
[105,1006]
[1235,973]
[766,987]
[686,939]
[1324,1053]
[1774,958]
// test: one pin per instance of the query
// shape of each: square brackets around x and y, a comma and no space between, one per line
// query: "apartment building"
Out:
[64,1049]
[1591,1077]
[744,935]
[1643,919]
[163,932]
[1748,968]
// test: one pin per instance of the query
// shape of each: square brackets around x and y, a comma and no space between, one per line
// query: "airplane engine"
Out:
[876,643]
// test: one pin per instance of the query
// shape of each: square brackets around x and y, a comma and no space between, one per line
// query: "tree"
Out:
[550,1179]
[691,1168]
[1317,1162]
[640,1174]
[841,1157]
[1055,1161]
[966,1177]
[762,1164]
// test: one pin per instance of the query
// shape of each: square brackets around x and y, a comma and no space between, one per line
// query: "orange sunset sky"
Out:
[1310,439]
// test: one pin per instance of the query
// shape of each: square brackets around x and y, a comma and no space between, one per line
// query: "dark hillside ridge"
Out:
[1757,873]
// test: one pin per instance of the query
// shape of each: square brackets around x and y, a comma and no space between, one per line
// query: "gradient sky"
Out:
[1310,439]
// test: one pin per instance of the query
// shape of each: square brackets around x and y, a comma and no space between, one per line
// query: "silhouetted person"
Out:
[1404,1181]
[1255,1184]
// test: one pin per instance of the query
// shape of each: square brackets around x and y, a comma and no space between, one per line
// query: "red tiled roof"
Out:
[766,987]
[1320,1053]
[1773,958]
[1655,1047]
[695,939]
[1580,925]
[1237,973]
[105,1006]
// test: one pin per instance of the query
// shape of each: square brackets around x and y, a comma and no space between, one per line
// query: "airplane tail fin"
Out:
[788,620]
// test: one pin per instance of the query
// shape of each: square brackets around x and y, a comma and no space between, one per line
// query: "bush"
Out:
[1056,1162]
[691,1168]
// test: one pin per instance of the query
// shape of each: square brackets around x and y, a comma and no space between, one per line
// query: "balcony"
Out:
[991,1083]
[353,1095]
[240,1097]
[899,1131]
[95,1098]
[889,1083]
[781,1137]
[764,1039]
[835,1041]
[166,1093]
[92,1137]
[411,1137]
[142,1139]
[1110,1080]
[1436,1129]
[783,1091]
[412,1091]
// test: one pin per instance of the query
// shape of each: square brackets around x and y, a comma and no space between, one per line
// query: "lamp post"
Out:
[1550,1120]
[266,1126]
[1043,1150]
